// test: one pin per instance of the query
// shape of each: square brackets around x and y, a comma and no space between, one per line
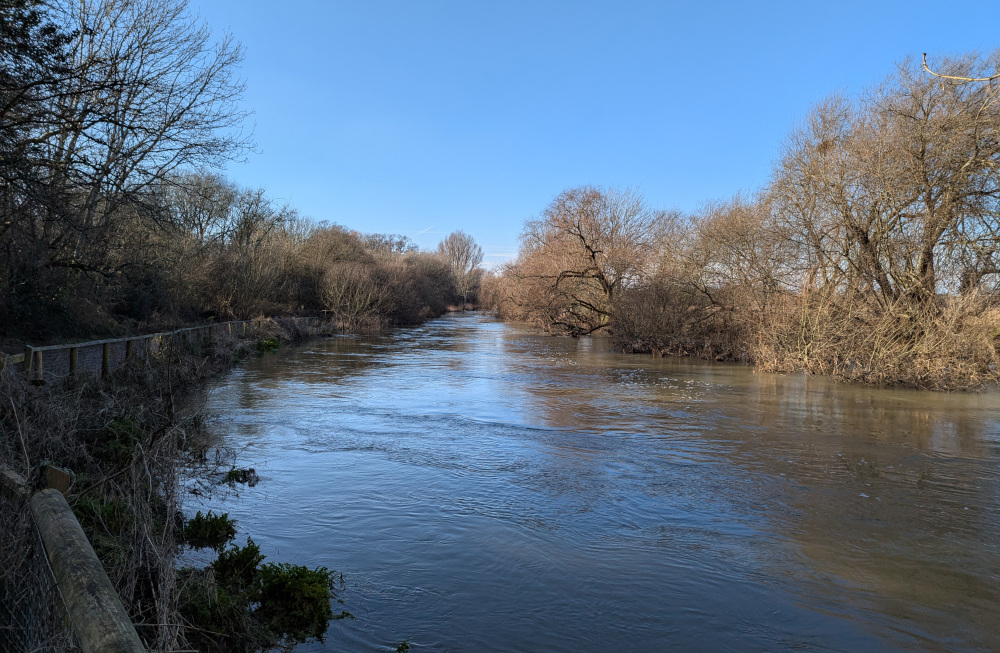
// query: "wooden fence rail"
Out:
[51,362]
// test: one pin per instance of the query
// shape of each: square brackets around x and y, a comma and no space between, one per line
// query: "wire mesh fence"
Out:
[33,616]
[102,357]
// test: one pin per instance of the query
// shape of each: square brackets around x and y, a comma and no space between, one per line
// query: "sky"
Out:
[422,117]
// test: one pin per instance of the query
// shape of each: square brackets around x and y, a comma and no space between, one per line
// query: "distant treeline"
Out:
[112,115]
[872,254]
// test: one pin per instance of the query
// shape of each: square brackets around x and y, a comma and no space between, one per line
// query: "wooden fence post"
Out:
[74,360]
[128,350]
[37,369]
[27,362]
[106,360]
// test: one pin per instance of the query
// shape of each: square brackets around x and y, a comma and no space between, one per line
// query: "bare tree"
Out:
[146,91]
[252,264]
[388,245]
[898,195]
[464,257]
[588,245]
[357,295]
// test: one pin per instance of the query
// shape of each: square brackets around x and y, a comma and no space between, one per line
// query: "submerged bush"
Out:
[948,344]
[242,475]
[295,600]
[209,530]
[236,568]
[244,605]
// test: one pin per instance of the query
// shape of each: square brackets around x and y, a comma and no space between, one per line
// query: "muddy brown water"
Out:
[485,488]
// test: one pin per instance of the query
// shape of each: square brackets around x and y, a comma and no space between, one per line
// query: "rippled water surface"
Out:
[485,488]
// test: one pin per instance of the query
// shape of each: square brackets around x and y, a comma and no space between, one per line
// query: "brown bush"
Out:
[356,295]
[951,344]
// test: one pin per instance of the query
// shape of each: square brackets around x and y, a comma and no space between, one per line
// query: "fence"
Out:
[54,593]
[33,614]
[54,362]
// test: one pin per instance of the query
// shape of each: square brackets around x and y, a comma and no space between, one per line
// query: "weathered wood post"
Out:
[37,370]
[26,361]
[128,350]
[74,361]
[106,360]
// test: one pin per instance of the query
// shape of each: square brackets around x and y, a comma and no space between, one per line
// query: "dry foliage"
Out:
[112,115]
[951,346]
[872,255]
[590,244]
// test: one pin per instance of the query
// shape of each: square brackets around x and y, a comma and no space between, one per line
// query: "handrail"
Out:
[100,622]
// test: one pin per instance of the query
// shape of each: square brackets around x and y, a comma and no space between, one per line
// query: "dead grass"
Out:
[950,344]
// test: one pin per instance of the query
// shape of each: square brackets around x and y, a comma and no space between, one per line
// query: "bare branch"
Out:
[958,77]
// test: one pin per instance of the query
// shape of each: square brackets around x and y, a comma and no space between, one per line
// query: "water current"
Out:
[485,488]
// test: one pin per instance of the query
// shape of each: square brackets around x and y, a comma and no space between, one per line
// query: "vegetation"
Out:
[873,254]
[239,604]
[113,115]
[208,530]
[242,475]
[125,441]
[464,257]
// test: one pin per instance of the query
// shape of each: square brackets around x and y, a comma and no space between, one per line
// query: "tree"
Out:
[589,244]
[464,257]
[32,61]
[110,99]
[897,196]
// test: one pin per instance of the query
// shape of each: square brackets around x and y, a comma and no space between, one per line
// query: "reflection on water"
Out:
[483,488]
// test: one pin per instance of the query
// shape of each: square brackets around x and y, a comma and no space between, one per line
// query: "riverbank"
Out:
[123,437]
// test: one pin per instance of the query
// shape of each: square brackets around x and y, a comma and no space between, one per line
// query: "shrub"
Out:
[236,568]
[295,600]
[209,530]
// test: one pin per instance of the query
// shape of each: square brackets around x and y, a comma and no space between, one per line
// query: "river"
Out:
[485,488]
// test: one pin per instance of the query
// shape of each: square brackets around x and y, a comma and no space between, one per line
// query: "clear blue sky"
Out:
[422,117]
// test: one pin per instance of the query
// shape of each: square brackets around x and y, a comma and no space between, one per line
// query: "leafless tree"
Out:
[898,194]
[588,245]
[357,295]
[464,257]
[143,90]
[251,267]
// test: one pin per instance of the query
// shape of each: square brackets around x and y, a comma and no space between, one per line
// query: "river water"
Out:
[485,488]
